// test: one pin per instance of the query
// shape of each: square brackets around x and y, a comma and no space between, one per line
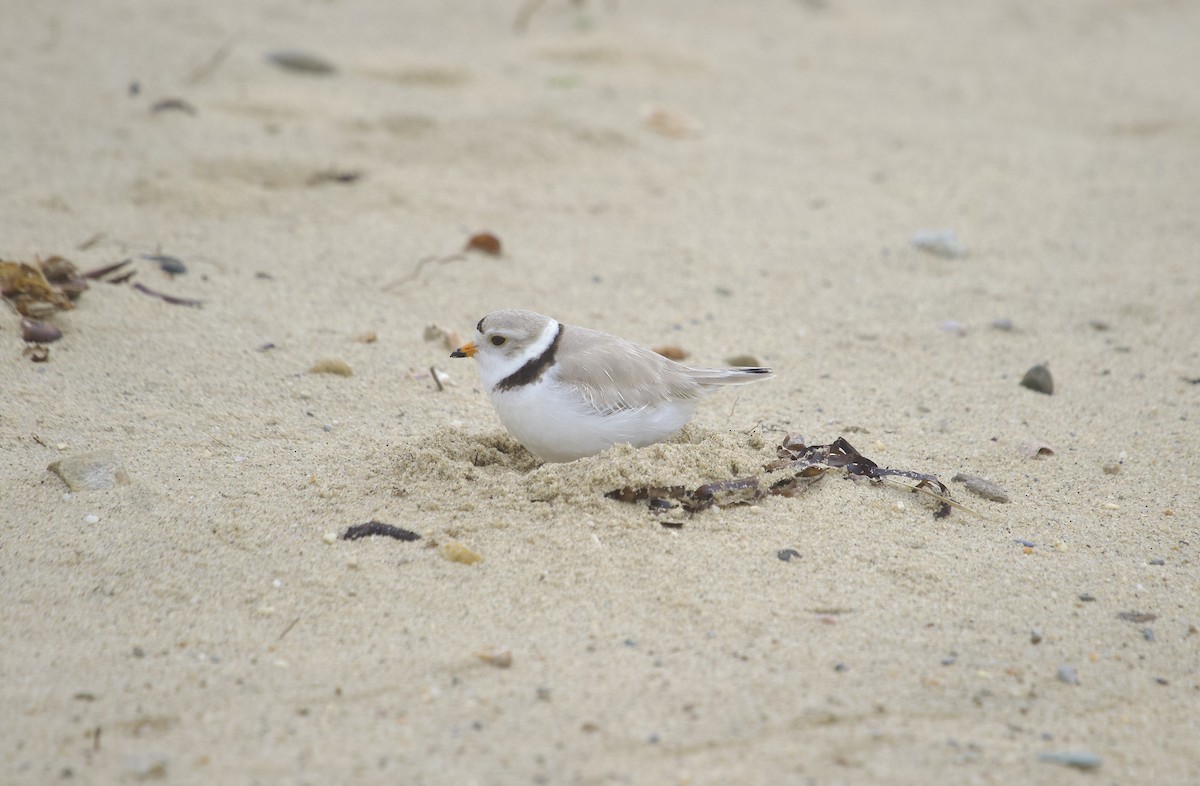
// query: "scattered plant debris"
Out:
[500,657]
[483,242]
[1137,616]
[35,290]
[172,299]
[378,528]
[799,466]
[99,273]
[332,366]
[981,487]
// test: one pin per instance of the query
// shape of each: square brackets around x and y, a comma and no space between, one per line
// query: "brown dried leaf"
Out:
[26,286]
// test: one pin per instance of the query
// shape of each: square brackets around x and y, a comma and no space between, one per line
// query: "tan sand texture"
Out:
[727,178]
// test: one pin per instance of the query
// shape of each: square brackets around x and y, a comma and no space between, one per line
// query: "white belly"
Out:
[556,425]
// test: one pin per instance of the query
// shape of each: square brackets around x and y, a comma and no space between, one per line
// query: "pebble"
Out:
[939,242]
[91,471]
[332,366]
[1068,674]
[1029,544]
[172,266]
[1035,636]
[1032,449]
[1039,379]
[1003,324]
[1148,634]
[35,332]
[91,518]
[500,657]
[787,555]
[454,551]
[484,242]
[301,62]
[1112,468]
[1081,760]
[981,487]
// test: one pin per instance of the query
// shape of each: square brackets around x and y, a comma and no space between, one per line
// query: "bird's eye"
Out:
[498,340]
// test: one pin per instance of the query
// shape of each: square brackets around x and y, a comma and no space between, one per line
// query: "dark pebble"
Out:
[672,524]
[787,555]
[950,659]
[1035,636]
[1038,378]
[378,528]
[1029,544]
[1137,616]
[1148,634]
[1087,597]
[1158,562]
[1161,680]
[36,332]
[840,667]
[172,266]
[301,63]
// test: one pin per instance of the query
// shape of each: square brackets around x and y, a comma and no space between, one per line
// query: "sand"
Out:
[727,178]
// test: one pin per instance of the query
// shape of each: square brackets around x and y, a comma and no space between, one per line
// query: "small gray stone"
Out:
[1035,636]
[1082,760]
[1038,378]
[1068,674]
[981,487]
[301,62]
[91,471]
[940,242]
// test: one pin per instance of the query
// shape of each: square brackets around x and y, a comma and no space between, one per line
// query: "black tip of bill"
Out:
[458,353]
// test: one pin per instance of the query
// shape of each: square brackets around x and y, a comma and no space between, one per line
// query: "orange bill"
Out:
[467,350]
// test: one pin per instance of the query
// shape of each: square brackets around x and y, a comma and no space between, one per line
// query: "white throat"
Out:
[494,366]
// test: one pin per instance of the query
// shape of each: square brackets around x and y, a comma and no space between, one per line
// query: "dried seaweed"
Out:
[29,290]
[172,299]
[799,466]
[481,242]
[378,528]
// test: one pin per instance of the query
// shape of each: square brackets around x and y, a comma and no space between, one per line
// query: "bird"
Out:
[567,392]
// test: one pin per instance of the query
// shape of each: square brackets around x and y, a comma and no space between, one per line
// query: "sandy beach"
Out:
[300,180]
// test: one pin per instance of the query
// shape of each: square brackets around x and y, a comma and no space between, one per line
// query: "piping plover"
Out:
[567,392]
